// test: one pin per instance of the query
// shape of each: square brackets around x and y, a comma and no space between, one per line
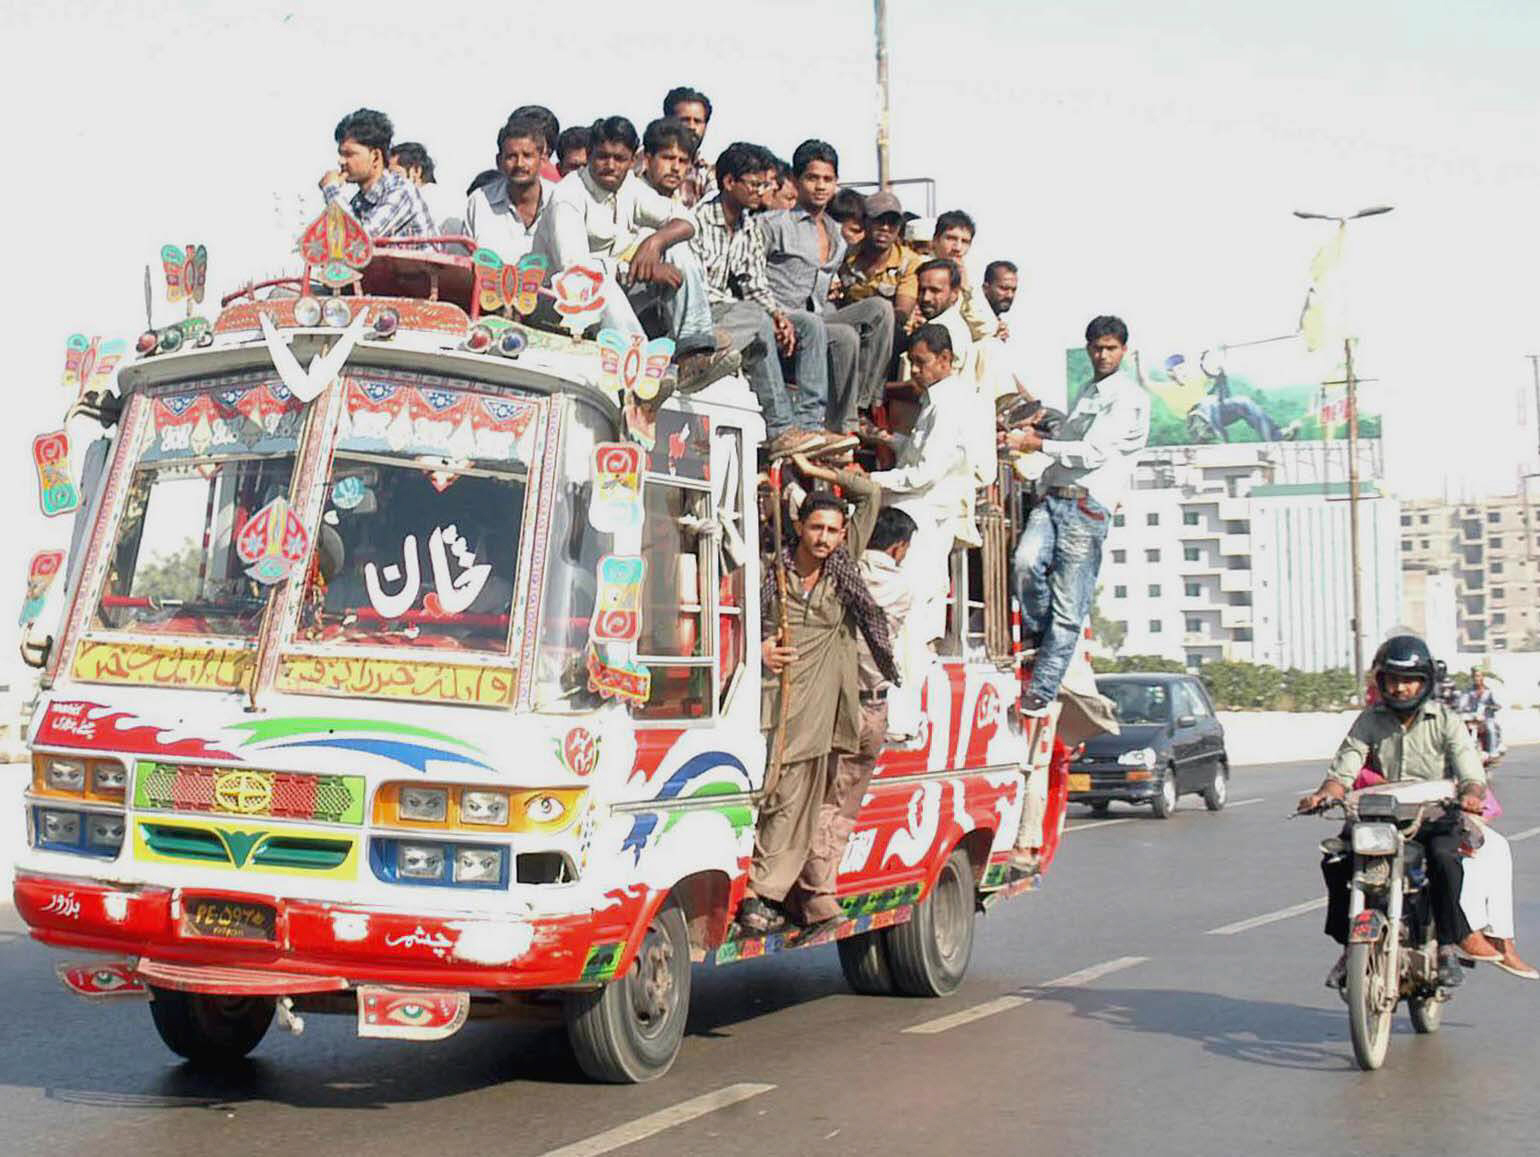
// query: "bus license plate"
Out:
[1079,781]
[229,919]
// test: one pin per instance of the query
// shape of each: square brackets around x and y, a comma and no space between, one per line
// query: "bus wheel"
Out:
[210,1030]
[929,953]
[630,1030]
[864,961]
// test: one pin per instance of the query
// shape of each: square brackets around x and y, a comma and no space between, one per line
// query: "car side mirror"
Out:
[1187,721]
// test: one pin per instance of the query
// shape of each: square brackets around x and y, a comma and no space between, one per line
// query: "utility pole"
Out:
[881,7]
[1534,366]
[1358,596]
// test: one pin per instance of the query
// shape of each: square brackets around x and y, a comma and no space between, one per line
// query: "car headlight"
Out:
[478,865]
[484,807]
[59,827]
[424,804]
[1375,839]
[1140,757]
[66,774]
[104,831]
[109,779]
[420,861]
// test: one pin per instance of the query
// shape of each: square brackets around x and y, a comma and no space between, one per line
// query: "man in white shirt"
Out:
[602,214]
[503,216]
[940,303]
[1060,552]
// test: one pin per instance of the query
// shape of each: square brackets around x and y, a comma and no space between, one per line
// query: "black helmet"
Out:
[1405,655]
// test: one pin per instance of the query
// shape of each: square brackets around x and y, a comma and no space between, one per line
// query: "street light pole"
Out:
[881,13]
[1351,385]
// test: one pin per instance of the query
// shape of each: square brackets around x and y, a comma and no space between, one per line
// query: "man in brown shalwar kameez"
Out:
[828,604]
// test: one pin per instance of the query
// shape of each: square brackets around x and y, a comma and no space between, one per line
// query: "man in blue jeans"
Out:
[1060,551]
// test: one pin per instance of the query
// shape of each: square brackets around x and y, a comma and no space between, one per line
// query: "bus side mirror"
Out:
[36,654]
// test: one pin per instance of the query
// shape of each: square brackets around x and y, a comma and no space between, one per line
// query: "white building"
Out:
[1241,552]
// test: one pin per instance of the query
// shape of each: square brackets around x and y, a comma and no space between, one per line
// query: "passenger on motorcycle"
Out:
[1412,737]
[1482,703]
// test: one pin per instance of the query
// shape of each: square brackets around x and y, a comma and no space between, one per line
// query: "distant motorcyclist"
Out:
[1481,702]
[1411,736]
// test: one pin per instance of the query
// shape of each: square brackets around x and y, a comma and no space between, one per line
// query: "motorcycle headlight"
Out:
[1140,757]
[484,807]
[423,804]
[1375,839]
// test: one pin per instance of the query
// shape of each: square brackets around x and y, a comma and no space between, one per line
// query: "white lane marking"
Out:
[1099,824]
[1244,802]
[654,1123]
[1016,1000]
[1268,918]
[1526,834]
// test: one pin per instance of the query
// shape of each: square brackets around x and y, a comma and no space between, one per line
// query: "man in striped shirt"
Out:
[387,204]
[732,252]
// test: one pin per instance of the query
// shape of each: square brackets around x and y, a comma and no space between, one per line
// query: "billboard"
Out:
[1263,392]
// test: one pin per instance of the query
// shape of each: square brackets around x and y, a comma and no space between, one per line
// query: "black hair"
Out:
[667,131]
[577,137]
[1106,326]
[996,267]
[848,205]
[893,528]
[615,129]
[484,178]
[953,219]
[522,128]
[410,154]
[814,150]
[954,274]
[542,116]
[933,337]
[783,172]
[684,95]
[822,500]
[740,158]
[369,127]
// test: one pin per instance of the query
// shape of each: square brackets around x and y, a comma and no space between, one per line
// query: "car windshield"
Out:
[418,544]
[1138,702]
[210,458]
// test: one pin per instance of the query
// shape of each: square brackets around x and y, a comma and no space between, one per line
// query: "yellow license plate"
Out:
[229,919]
[1079,781]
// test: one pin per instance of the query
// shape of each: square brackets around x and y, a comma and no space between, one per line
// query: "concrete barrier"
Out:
[1253,737]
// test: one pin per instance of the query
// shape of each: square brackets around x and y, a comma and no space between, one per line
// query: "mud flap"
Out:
[411,1014]
[1367,927]
[99,980]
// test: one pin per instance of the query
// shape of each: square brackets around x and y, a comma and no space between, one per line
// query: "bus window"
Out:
[676,642]
[731,550]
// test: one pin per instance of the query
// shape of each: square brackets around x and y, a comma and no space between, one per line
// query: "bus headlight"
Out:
[478,865]
[105,831]
[484,807]
[420,861]
[66,774]
[428,805]
[59,827]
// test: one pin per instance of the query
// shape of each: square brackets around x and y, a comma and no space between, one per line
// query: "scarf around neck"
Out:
[851,590]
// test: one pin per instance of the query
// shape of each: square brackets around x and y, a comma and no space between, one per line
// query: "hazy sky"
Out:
[1133,157]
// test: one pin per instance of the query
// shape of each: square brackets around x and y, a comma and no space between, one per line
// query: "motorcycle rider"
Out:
[1482,703]
[1412,737]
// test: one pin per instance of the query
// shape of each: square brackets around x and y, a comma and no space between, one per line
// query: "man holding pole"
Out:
[815,604]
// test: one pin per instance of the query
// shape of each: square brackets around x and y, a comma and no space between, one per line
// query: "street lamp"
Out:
[1352,410]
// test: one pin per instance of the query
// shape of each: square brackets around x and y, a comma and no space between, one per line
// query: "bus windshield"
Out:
[210,457]
[418,543]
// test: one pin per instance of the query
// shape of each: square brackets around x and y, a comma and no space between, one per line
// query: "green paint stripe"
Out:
[266,730]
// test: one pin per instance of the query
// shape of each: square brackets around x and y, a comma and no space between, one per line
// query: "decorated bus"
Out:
[406,666]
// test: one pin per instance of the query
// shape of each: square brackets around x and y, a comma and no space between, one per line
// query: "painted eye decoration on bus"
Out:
[544,809]
[93,981]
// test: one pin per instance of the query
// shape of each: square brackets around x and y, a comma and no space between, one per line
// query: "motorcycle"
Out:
[1392,950]
[1476,724]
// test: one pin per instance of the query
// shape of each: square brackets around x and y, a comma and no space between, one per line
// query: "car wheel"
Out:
[1164,802]
[1218,789]
[1100,808]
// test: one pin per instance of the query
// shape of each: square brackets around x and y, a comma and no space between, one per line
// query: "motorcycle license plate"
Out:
[229,919]
[1079,781]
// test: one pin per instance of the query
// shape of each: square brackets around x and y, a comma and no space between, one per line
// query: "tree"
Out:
[1108,632]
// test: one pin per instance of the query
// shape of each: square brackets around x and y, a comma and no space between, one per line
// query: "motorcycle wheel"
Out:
[1368,1022]
[1427,1014]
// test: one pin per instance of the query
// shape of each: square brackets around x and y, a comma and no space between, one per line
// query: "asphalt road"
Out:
[1137,1003]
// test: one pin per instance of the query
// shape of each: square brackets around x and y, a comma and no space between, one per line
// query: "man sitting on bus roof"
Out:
[693,108]
[503,216]
[953,238]
[882,265]
[668,152]
[804,248]
[572,149]
[601,215]
[387,204]
[827,605]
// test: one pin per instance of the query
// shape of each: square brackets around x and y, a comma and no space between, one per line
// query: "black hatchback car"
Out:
[1171,745]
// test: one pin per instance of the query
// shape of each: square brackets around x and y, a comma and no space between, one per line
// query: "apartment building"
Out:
[1242,552]
[1488,549]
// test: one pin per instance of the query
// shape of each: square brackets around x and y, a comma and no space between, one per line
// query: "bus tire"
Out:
[210,1030]
[630,1030]
[929,952]
[864,961]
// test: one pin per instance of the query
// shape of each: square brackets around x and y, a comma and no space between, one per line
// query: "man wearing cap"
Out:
[883,265]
